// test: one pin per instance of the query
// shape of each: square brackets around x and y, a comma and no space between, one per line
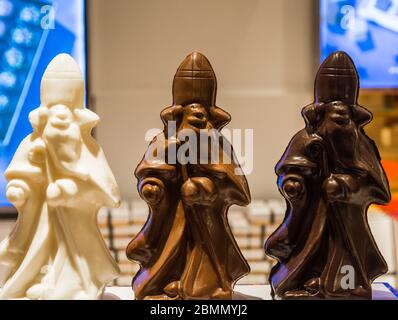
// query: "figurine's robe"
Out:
[316,238]
[169,247]
[57,247]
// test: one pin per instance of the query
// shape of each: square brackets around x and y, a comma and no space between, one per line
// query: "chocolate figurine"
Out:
[329,175]
[58,179]
[186,249]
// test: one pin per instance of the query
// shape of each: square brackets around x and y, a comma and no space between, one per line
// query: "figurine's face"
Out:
[195,115]
[338,114]
[60,116]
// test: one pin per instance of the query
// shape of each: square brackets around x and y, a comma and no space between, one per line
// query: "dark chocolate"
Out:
[329,175]
[186,249]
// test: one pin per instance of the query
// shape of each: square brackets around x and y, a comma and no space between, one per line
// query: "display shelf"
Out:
[381,291]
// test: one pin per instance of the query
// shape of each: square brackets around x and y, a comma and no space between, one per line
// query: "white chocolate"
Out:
[58,180]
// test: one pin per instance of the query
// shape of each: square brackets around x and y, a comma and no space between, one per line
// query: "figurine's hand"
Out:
[151,190]
[198,190]
[37,153]
[60,191]
[293,186]
[17,192]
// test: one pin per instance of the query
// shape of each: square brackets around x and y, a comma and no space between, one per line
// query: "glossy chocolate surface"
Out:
[186,249]
[329,175]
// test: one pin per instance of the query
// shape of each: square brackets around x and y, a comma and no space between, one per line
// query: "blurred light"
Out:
[15,58]
[5,8]
[30,14]
[22,36]
[4,103]
[384,5]
[8,79]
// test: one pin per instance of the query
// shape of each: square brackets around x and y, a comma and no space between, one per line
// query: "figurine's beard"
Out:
[343,148]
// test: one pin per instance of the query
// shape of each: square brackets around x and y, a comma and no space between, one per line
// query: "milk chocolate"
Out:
[186,249]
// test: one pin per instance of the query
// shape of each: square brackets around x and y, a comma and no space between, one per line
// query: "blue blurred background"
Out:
[368,31]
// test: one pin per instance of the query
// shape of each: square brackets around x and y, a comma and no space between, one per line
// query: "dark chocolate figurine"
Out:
[186,249]
[329,175]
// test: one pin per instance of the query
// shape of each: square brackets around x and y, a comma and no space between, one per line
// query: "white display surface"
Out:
[381,291]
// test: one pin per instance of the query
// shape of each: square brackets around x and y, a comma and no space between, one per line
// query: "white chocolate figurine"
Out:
[58,180]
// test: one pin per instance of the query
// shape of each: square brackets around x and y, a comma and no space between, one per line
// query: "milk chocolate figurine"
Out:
[329,175]
[186,249]
[58,179]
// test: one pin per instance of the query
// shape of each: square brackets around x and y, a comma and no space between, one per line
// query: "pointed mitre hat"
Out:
[62,83]
[195,81]
[337,80]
